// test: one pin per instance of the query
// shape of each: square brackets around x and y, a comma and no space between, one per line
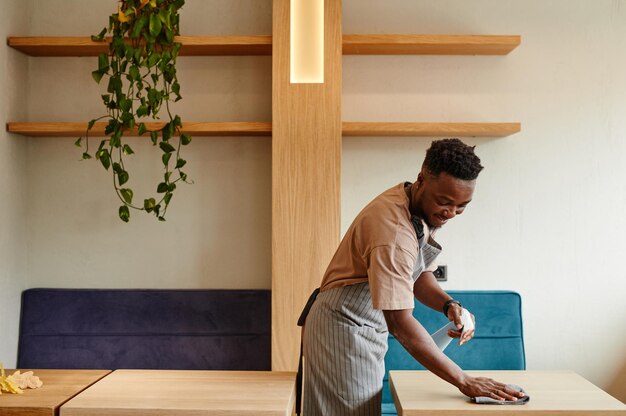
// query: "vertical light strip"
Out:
[306,42]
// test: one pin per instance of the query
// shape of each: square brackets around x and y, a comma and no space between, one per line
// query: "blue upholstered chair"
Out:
[145,329]
[497,345]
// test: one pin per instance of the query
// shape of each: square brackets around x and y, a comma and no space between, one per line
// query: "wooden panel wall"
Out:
[306,168]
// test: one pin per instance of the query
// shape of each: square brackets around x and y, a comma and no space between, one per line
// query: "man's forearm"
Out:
[427,291]
[416,340]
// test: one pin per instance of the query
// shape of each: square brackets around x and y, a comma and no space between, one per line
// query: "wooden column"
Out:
[306,168]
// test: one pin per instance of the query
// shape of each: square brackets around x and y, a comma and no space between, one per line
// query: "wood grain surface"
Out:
[183,393]
[306,169]
[420,393]
[58,387]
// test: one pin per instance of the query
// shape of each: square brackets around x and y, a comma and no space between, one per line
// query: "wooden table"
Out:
[551,393]
[174,392]
[58,387]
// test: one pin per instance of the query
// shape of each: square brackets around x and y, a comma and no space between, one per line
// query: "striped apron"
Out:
[345,341]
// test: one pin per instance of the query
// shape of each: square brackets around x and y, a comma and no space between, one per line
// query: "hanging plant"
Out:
[141,71]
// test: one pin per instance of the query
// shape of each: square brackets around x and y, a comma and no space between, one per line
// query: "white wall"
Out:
[546,220]
[13,174]
[218,233]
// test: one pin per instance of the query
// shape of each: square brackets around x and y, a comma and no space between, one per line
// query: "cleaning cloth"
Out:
[489,400]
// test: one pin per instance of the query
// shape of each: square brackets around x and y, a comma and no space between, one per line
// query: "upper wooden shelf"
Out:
[192,45]
[349,128]
[262,45]
[429,44]
[410,129]
[62,129]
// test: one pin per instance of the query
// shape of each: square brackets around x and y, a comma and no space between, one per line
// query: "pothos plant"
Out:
[141,70]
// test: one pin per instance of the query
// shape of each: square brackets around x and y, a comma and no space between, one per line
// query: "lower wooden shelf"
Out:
[349,128]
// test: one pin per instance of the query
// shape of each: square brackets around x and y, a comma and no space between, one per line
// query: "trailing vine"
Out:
[141,70]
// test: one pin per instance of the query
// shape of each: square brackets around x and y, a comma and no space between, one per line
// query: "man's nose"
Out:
[449,214]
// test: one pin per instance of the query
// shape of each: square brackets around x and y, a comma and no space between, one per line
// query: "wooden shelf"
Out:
[265,129]
[429,44]
[192,45]
[195,129]
[430,129]
[262,45]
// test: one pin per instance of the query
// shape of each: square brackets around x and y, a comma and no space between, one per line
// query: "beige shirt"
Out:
[380,248]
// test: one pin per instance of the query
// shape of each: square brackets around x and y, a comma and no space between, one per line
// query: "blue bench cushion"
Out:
[145,329]
[497,345]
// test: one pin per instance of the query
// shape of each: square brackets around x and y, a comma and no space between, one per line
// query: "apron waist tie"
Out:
[301,321]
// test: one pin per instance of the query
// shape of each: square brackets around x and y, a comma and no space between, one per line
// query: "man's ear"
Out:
[420,179]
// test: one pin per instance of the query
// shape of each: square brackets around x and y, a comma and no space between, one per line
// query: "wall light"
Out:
[307,42]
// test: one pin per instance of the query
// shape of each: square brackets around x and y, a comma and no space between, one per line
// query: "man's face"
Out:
[441,198]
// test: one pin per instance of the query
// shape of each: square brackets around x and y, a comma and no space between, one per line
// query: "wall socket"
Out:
[441,273]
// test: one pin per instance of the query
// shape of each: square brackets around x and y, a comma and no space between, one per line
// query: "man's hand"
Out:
[454,315]
[486,387]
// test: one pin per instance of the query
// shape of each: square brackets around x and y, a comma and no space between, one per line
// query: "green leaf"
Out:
[176,90]
[180,163]
[103,62]
[162,188]
[127,194]
[115,140]
[100,36]
[183,175]
[122,177]
[86,156]
[143,110]
[149,204]
[115,85]
[167,176]
[133,72]
[161,218]
[78,142]
[142,129]
[166,147]
[124,213]
[97,76]
[106,98]
[166,158]
[167,198]
[111,126]
[154,136]
[125,104]
[185,139]
[152,60]
[117,168]
[155,25]
[105,158]
[90,124]
[171,187]
[127,150]
[138,26]
[166,132]
[177,121]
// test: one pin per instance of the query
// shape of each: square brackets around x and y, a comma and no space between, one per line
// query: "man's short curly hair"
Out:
[453,157]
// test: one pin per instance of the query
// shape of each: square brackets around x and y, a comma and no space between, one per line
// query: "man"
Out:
[386,258]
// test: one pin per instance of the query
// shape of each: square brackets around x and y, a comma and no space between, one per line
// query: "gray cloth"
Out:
[489,400]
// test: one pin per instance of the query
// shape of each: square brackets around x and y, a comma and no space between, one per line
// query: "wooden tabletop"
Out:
[174,392]
[551,393]
[58,387]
